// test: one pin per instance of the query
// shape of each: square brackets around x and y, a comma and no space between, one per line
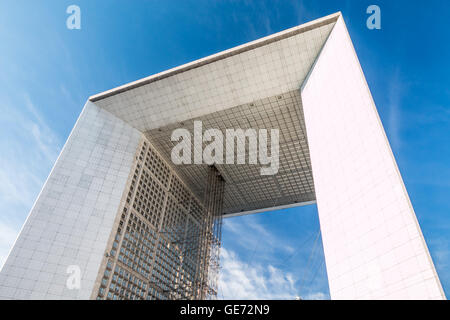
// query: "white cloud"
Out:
[254,236]
[260,263]
[8,235]
[259,281]
[29,148]
[46,140]
[316,296]
[240,281]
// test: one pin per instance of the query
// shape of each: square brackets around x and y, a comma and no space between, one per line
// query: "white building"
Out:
[307,82]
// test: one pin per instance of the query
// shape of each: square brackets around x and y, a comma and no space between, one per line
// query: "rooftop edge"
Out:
[218,56]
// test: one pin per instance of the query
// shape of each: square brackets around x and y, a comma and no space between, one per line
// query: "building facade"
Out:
[117,213]
[163,245]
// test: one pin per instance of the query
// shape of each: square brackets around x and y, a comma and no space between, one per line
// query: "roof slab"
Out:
[255,85]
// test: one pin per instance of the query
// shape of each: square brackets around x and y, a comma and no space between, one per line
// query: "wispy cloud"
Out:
[238,281]
[395,92]
[254,236]
[259,281]
[440,252]
[8,235]
[300,11]
[258,262]
[29,148]
[46,140]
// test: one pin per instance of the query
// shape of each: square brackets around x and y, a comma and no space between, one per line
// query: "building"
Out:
[117,210]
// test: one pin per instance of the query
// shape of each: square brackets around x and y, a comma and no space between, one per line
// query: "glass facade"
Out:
[161,248]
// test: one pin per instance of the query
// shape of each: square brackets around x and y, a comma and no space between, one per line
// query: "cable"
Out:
[317,271]
[309,259]
[254,251]
[283,263]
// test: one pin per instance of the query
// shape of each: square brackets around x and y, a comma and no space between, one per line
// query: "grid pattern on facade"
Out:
[239,76]
[148,197]
[213,232]
[246,189]
[156,251]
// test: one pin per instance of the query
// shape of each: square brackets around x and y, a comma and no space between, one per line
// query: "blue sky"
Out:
[47,72]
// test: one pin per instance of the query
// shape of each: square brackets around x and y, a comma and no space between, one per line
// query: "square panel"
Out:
[246,189]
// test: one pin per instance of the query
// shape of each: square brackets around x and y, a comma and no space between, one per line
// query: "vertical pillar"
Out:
[373,245]
[72,217]
[211,234]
